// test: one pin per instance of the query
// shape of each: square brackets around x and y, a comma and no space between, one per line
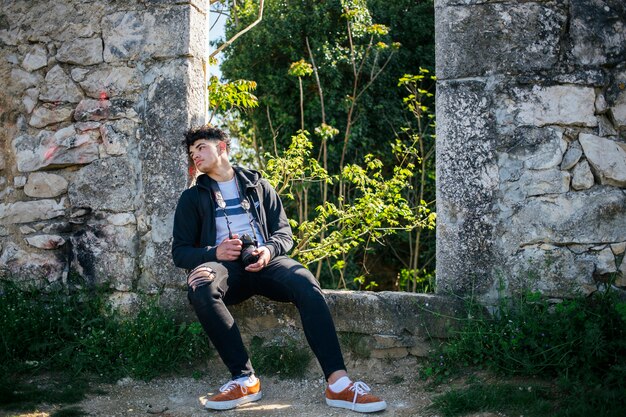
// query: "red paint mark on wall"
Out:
[50,153]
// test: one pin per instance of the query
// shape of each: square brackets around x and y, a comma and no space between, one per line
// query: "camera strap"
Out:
[243,201]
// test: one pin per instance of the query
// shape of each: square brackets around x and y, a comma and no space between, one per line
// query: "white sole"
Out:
[227,405]
[361,408]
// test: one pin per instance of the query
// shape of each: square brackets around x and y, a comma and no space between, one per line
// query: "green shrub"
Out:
[77,333]
[580,342]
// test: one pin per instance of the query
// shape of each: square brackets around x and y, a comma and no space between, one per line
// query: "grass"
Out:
[510,399]
[355,343]
[75,336]
[579,345]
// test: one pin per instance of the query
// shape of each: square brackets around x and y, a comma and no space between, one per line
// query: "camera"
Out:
[248,246]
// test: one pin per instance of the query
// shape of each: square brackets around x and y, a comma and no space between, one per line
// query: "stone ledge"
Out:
[376,325]
[381,324]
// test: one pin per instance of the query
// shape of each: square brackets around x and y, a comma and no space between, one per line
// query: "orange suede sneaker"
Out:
[234,393]
[355,397]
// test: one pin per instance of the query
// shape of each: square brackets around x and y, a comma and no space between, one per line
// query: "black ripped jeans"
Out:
[284,280]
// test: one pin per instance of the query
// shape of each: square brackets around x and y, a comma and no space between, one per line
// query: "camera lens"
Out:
[248,246]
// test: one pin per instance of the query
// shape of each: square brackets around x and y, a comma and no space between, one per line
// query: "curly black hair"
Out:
[207,132]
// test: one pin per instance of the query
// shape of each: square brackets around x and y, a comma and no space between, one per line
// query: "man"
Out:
[211,220]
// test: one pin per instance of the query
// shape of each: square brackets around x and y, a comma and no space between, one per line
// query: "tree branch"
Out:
[241,32]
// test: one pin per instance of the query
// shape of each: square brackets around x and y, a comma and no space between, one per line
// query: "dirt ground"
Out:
[394,380]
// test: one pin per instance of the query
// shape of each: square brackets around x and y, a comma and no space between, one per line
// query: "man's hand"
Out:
[264,259]
[229,249]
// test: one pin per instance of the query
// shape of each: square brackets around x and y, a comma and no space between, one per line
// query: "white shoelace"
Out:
[231,385]
[359,388]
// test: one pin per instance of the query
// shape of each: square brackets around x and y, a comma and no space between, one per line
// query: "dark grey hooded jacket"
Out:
[194,221]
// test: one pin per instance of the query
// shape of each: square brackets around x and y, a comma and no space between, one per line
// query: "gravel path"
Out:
[394,380]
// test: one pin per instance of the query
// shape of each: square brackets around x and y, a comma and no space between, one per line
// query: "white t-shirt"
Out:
[237,216]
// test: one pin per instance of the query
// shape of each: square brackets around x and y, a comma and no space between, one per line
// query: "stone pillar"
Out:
[96,97]
[531,152]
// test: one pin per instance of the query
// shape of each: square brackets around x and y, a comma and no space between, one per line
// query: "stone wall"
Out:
[95,98]
[531,152]
[378,325]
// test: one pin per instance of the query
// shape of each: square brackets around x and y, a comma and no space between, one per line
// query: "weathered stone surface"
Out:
[605,127]
[107,82]
[49,114]
[36,58]
[19,181]
[22,80]
[162,129]
[122,219]
[27,230]
[560,104]
[162,228]
[139,35]
[620,279]
[399,314]
[117,136]
[607,159]
[81,51]
[31,211]
[55,149]
[582,178]
[618,248]
[536,148]
[107,184]
[97,260]
[157,271]
[572,156]
[58,87]
[85,126]
[46,241]
[56,227]
[92,110]
[536,183]
[556,273]
[590,216]
[389,353]
[465,48]
[467,184]
[44,185]
[125,303]
[96,110]
[39,269]
[605,262]
[30,99]
[618,100]
[597,31]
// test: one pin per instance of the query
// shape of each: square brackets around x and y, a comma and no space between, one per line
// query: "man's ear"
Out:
[222,146]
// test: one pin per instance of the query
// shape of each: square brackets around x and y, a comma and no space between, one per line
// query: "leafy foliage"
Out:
[581,342]
[376,209]
[78,333]
[354,52]
[232,95]
[281,39]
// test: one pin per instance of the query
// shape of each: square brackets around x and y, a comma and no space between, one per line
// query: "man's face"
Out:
[205,154]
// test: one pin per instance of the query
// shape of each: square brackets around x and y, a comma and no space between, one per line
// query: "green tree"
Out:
[266,53]
[355,52]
